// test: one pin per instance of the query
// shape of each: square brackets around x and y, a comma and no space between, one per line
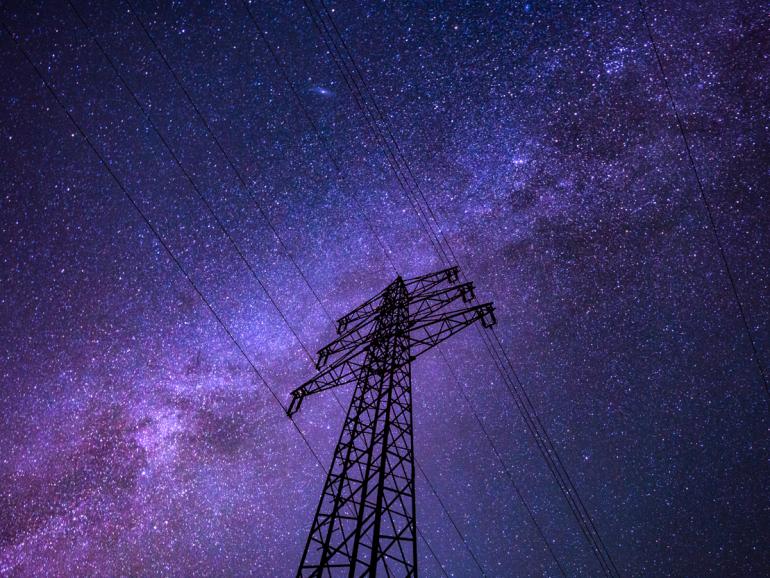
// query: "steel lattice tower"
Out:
[365,522]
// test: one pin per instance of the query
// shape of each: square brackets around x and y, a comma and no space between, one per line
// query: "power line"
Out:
[386,124]
[707,206]
[197,190]
[404,186]
[548,452]
[583,517]
[361,103]
[310,287]
[503,465]
[214,138]
[323,140]
[174,258]
[212,212]
[337,166]
[227,157]
[560,472]
[188,177]
[221,225]
[442,255]
[152,228]
[586,525]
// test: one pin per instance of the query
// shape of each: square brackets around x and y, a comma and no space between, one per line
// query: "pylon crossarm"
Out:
[427,285]
[426,303]
[341,373]
[351,339]
[416,286]
[425,333]
[434,301]
[366,310]
[420,285]
[429,331]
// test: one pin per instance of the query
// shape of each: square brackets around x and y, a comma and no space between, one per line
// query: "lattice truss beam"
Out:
[430,323]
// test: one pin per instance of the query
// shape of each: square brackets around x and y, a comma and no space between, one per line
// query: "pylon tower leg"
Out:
[365,523]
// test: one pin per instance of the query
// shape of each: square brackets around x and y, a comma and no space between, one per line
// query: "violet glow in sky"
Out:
[136,441]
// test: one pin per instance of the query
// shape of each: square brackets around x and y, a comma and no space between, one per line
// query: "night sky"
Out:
[136,440]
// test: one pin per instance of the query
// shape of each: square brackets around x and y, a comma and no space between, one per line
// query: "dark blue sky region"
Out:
[136,440]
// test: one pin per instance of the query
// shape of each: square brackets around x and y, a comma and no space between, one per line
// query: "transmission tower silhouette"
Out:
[365,522]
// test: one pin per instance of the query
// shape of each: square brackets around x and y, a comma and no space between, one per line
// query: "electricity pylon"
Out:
[365,522]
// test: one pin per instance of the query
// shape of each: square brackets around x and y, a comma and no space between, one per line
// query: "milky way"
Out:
[135,439]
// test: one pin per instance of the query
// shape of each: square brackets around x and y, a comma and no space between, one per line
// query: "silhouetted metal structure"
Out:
[365,521]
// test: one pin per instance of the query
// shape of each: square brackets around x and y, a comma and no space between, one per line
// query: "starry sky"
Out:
[136,440]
